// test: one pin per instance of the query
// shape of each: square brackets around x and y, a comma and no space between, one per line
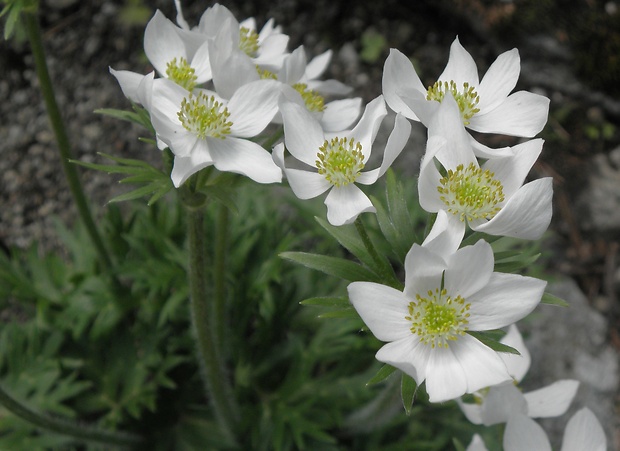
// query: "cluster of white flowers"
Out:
[220,84]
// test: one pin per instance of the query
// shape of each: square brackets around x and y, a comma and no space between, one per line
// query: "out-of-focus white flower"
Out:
[202,129]
[491,198]
[444,298]
[484,106]
[583,433]
[338,160]
[499,403]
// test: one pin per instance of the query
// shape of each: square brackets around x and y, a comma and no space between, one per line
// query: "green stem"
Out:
[212,368]
[31,25]
[271,140]
[221,246]
[62,426]
[385,269]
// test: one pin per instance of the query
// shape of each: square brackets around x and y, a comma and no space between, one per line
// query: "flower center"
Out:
[471,193]
[265,74]
[181,73]
[467,99]
[340,160]
[314,102]
[204,116]
[438,318]
[248,41]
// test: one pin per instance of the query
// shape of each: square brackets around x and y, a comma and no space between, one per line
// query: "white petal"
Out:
[244,157]
[340,114]
[345,203]
[394,146]
[473,412]
[469,269]
[521,114]
[202,64]
[272,52]
[423,110]
[399,76]
[584,432]
[318,65]
[184,167]
[499,80]
[461,67]
[129,82]
[476,444]
[446,235]
[511,171]
[481,366]
[527,213]
[428,180]
[517,365]
[329,87]
[231,67]
[302,133]
[162,43]
[484,152]
[501,402]
[294,67]
[306,184]
[383,309]
[214,18]
[408,355]
[524,434]
[504,300]
[252,107]
[445,379]
[366,129]
[552,400]
[423,270]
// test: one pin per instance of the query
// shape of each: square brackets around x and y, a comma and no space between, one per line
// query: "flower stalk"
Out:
[211,363]
[33,31]
[386,271]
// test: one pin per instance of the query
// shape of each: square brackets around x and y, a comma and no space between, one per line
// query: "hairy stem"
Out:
[31,25]
[213,372]
[219,274]
[385,269]
[63,426]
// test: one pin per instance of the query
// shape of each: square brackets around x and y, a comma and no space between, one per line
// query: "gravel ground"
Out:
[84,38]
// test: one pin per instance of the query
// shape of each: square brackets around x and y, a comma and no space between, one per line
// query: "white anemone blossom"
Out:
[491,197]
[202,129]
[171,57]
[337,160]
[498,404]
[427,325]
[583,432]
[485,106]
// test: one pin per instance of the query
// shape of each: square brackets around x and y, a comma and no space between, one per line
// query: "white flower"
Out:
[444,298]
[500,402]
[485,106]
[583,433]
[338,160]
[490,198]
[202,129]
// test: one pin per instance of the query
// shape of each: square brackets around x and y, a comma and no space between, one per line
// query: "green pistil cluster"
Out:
[204,116]
[181,73]
[265,74]
[471,193]
[314,102]
[248,41]
[340,160]
[467,99]
[438,318]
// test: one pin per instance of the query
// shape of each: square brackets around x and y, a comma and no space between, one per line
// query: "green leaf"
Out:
[551,299]
[488,339]
[385,371]
[347,313]
[458,446]
[139,116]
[348,238]
[334,266]
[408,388]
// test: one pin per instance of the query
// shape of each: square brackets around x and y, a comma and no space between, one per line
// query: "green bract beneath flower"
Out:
[248,41]
[438,318]
[314,102]
[471,193]
[340,160]
[181,73]
[204,116]
[467,99]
